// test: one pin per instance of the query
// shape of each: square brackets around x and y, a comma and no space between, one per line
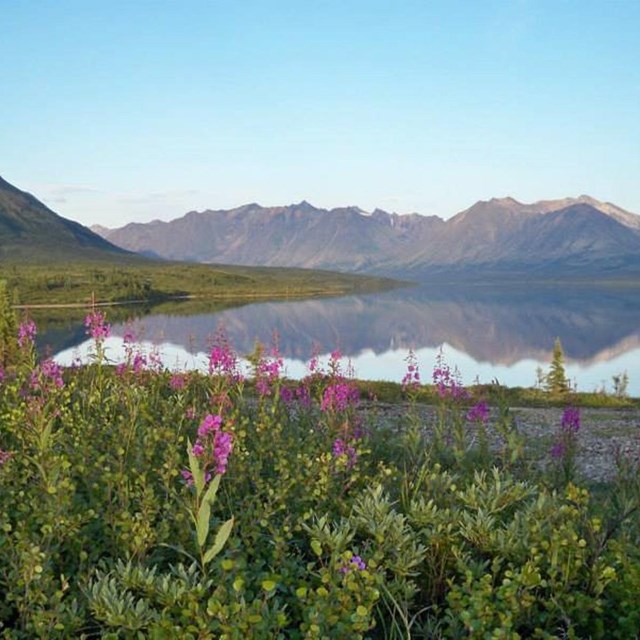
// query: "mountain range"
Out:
[501,237]
[31,231]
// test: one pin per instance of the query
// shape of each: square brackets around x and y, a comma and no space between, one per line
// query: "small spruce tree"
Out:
[556,380]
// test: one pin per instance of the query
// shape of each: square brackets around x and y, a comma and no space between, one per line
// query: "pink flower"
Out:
[339,397]
[96,325]
[479,413]
[27,333]
[213,446]
[355,563]
[177,382]
[411,379]
[209,425]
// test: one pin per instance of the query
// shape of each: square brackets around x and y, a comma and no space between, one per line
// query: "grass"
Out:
[78,282]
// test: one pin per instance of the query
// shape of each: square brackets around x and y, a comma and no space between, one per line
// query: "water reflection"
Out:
[488,332]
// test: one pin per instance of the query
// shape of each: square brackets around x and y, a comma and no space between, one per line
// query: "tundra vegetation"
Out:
[154,282]
[139,502]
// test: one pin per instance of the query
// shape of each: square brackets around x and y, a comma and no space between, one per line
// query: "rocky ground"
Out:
[605,434]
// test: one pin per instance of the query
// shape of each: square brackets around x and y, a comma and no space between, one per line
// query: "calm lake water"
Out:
[487,333]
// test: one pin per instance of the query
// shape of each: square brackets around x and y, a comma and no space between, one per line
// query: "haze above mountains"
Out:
[500,237]
[497,238]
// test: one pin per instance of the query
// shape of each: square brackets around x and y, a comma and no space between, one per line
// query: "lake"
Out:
[502,333]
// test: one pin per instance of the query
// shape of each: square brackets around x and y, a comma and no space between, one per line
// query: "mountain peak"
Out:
[29,230]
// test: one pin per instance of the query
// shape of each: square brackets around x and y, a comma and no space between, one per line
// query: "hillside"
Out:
[571,236]
[31,231]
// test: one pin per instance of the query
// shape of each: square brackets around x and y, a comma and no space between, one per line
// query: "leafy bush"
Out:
[136,502]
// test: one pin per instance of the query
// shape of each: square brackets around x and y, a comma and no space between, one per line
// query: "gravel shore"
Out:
[604,434]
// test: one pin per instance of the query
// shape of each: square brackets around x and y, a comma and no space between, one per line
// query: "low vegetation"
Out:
[80,282]
[136,502]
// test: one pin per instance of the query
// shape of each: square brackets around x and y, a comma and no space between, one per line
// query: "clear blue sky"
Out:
[118,111]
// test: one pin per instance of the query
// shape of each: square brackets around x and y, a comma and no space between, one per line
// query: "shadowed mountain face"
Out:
[574,236]
[31,231]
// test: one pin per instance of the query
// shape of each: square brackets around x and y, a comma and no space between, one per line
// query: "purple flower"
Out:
[339,397]
[209,425]
[411,379]
[96,325]
[178,381]
[222,447]
[571,420]
[558,450]
[286,395]
[355,563]
[48,374]
[446,381]
[27,333]
[213,446]
[222,359]
[5,456]
[342,449]
[197,449]
[139,362]
[268,372]
[479,413]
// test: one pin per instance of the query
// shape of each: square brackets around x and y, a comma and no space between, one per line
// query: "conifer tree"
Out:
[556,380]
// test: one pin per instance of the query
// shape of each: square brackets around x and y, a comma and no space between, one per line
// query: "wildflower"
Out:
[139,362]
[268,372]
[447,381]
[49,373]
[355,563]
[177,382]
[5,456]
[479,413]
[209,425]
[223,361]
[339,397]
[303,396]
[286,395]
[96,325]
[558,450]
[571,420]
[343,450]
[27,333]
[565,446]
[213,446]
[187,476]
[411,379]
[2,374]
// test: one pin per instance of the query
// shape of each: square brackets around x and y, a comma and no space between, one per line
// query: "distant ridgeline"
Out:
[576,237]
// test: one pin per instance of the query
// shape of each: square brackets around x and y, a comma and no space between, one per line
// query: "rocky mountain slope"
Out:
[31,231]
[571,236]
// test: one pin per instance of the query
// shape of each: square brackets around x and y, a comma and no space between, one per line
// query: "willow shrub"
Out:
[140,503]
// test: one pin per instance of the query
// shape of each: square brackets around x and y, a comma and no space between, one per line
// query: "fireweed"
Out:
[227,381]
[478,416]
[98,328]
[27,332]
[564,449]
[450,427]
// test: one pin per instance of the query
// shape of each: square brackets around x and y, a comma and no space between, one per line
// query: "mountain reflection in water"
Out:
[495,328]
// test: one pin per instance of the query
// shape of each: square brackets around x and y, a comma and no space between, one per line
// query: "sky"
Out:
[115,112]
